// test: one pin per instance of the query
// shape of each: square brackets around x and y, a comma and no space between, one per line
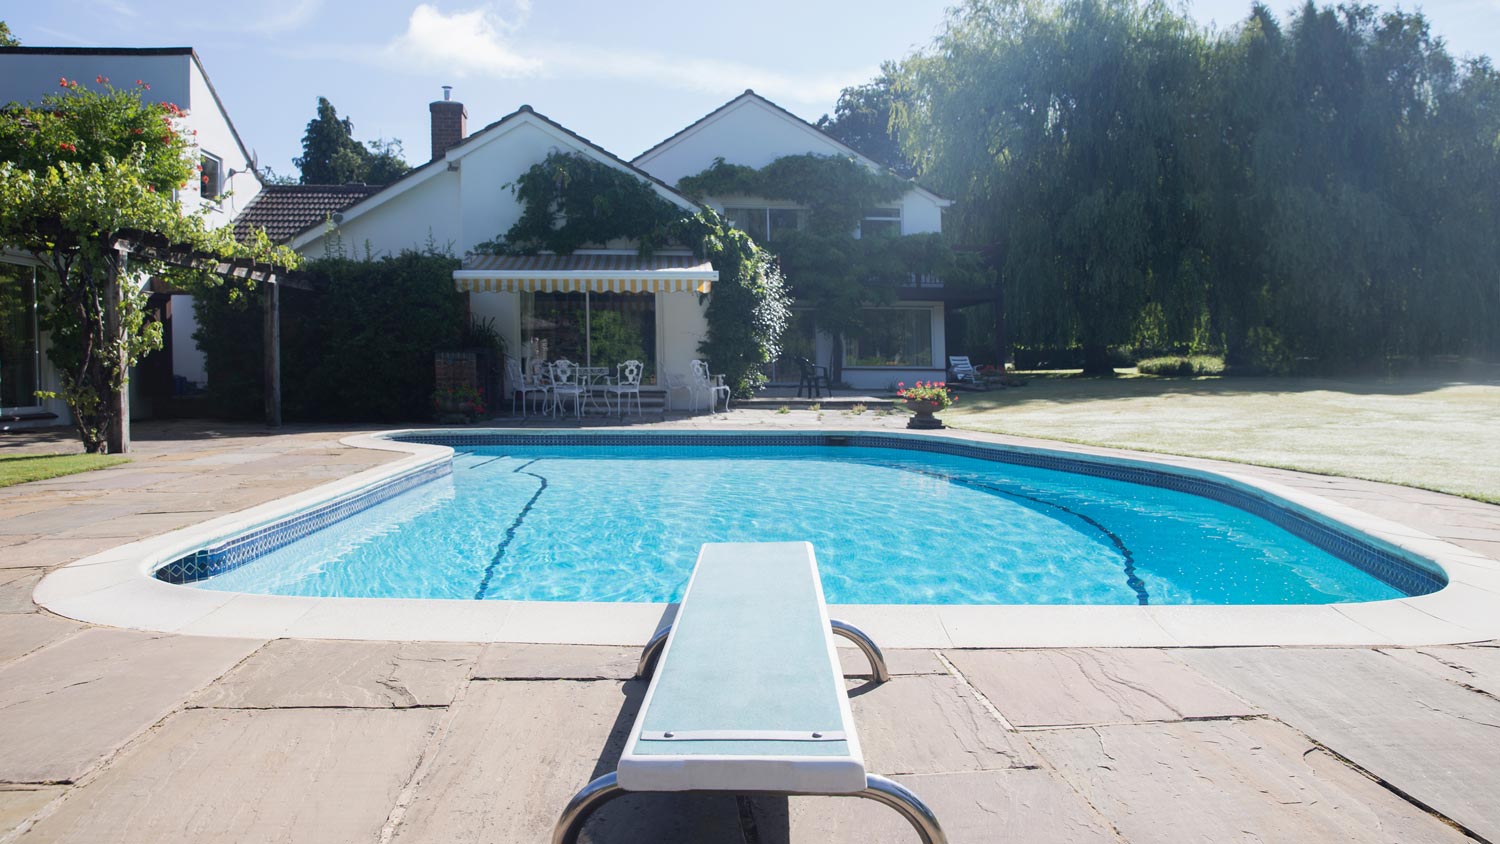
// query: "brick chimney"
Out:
[450,121]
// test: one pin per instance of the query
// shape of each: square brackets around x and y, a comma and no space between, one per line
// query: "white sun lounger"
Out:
[748,695]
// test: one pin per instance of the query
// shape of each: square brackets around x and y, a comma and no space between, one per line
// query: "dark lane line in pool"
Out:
[510,532]
[488,462]
[1131,580]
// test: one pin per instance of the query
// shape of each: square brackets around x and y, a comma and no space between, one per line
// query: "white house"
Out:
[604,303]
[229,184]
[599,305]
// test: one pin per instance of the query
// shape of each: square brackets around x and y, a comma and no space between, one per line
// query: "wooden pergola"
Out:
[138,245]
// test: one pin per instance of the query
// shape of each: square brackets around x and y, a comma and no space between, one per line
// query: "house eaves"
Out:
[750,97]
[453,157]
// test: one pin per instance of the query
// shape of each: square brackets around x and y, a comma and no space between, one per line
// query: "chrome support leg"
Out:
[651,652]
[911,807]
[594,795]
[866,644]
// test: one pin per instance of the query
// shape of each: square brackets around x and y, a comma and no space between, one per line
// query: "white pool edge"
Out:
[116,588]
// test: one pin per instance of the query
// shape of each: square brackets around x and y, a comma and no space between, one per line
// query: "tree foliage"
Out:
[75,171]
[331,155]
[6,38]
[862,119]
[1323,190]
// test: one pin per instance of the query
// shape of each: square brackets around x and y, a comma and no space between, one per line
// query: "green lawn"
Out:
[35,467]
[1422,432]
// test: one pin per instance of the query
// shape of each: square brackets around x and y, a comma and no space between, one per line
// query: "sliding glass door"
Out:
[600,329]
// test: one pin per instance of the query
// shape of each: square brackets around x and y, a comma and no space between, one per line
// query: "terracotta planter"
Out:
[922,418]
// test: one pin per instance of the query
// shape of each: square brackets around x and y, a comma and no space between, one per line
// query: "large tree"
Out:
[6,38]
[77,171]
[862,119]
[1058,128]
[331,155]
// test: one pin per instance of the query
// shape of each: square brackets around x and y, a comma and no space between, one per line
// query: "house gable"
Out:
[463,198]
[752,131]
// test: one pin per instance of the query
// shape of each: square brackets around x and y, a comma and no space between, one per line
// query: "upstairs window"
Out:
[881,222]
[765,225]
[211,179]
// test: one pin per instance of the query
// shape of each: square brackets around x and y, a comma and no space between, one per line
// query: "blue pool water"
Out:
[889,526]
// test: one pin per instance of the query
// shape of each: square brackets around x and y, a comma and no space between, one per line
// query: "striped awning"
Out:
[582,272]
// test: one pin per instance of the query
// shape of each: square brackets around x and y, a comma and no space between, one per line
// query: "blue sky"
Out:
[624,75]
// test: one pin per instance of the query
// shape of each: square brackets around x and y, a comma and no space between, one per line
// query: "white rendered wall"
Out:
[681,324]
[404,222]
[216,137]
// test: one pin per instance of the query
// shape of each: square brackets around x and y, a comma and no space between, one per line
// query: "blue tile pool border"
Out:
[239,550]
[1384,564]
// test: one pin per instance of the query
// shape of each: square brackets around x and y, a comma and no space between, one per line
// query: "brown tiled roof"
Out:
[284,210]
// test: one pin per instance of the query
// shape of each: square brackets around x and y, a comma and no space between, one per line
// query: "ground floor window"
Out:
[597,329]
[19,359]
[891,337]
[799,340]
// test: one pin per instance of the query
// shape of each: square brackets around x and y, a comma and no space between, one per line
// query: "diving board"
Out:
[747,694]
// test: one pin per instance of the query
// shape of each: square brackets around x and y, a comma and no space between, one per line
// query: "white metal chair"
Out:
[522,385]
[564,377]
[711,386]
[627,383]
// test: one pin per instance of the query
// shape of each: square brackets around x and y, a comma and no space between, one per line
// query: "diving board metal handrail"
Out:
[877,788]
[872,651]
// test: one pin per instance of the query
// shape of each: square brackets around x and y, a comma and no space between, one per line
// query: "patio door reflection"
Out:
[599,329]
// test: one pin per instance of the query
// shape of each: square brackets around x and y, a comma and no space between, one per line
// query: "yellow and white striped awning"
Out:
[577,273]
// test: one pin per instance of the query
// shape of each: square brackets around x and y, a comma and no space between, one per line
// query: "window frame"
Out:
[927,314]
[36,345]
[874,216]
[216,197]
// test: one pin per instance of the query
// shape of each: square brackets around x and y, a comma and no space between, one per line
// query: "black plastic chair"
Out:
[814,379]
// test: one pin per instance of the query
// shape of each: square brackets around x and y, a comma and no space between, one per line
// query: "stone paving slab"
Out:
[1476,668]
[931,724]
[1433,740]
[898,662]
[513,755]
[16,586]
[506,661]
[67,707]
[1030,806]
[17,805]
[1093,686]
[289,776]
[1246,780]
[51,552]
[21,634]
[136,525]
[313,673]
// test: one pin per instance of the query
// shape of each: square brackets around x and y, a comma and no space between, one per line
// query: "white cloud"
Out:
[480,42]
[282,16]
[120,8]
[464,42]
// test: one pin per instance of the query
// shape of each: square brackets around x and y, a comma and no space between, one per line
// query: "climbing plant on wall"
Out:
[831,272]
[569,201]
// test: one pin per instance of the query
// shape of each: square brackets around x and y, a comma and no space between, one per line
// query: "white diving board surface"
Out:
[748,694]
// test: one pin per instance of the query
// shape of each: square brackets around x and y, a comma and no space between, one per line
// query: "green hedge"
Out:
[1182,365]
[356,348]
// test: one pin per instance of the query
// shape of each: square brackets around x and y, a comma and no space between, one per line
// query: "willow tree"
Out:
[76,171]
[1059,127]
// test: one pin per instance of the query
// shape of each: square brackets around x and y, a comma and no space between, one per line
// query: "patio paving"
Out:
[125,737]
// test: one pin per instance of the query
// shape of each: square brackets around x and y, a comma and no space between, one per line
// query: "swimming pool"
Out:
[895,520]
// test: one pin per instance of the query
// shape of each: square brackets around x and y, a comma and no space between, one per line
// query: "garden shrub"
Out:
[1181,365]
[356,348]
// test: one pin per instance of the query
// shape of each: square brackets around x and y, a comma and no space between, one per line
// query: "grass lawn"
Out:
[35,467]
[1423,432]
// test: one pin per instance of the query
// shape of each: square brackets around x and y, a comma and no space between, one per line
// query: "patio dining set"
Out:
[559,386]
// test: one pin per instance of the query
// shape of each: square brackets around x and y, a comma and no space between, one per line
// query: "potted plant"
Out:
[923,400]
[458,405]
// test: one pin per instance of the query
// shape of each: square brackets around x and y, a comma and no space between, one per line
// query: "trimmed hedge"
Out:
[357,348]
[1181,365]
